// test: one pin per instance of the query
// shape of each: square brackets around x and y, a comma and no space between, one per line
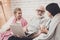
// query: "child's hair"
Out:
[17,9]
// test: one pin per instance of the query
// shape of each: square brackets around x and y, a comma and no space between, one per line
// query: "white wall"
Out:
[29,6]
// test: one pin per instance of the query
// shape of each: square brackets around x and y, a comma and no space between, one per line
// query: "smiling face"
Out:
[40,11]
[18,13]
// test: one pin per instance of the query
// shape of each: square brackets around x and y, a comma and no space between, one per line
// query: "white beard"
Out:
[38,16]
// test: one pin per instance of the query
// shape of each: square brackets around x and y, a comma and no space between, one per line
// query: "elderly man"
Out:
[36,22]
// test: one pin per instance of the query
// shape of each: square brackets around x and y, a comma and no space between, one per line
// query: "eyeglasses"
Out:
[40,11]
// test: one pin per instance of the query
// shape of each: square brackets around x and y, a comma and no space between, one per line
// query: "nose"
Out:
[20,14]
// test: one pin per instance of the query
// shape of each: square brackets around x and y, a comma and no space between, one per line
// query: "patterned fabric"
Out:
[5,35]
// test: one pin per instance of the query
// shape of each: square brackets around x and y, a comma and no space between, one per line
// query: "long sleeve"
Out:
[57,32]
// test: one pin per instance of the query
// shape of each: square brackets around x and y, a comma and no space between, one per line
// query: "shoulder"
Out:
[56,18]
[23,19]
